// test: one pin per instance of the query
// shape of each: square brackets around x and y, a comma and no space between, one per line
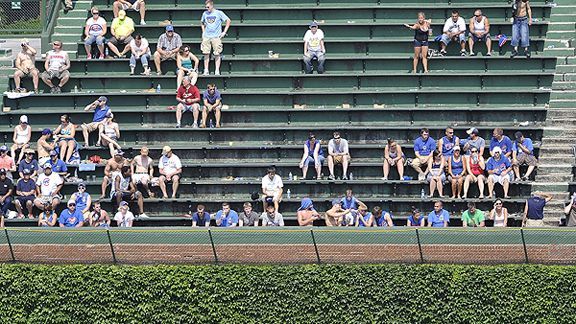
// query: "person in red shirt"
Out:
[188,98]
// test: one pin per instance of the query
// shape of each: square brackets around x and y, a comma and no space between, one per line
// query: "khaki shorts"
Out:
[55,74]
[529,160]
[166,57]
[338,159]
[91,126]
[211,44]
[534,223]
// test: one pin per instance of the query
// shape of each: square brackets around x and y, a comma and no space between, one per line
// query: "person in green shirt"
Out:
[472,217]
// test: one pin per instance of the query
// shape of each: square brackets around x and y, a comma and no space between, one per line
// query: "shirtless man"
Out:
[335,215]
[25,66]
[143,170]
[44,147]
[112,169]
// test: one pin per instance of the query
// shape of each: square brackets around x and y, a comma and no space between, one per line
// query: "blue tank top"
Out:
[413,221]
[351,203]
[448,146]
[81,200]
[366,218]
[187,63]
[311,150]
[457,167]
[381,221]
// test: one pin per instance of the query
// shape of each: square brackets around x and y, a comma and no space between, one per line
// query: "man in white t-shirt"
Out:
[49,185]
[94,33]
[56,65]
[140,52]
[338,153]
[314,48]
[124,217]
[272,188]
[170,170]
[454,30]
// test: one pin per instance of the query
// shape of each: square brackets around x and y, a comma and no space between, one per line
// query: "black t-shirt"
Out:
[5,186]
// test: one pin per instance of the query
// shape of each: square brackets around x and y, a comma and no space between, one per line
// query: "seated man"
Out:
[212,103]
[25,194]
[523,154]
[424,147]
[248,217]
[136,5]
[57,65]
[454,30]
[99,217]
[24,65]
[71,217]
[170,171]
[58,166]
[338,153]
[439,217]
[48,188]
[271,217]
[474,141]
[381,218]
[111,170]
[124,217]
[124,190]
[167,47]
[201,218]
[272,188]
[121,30]
[101,108]
[226,217]
[29,163]
[473,217]
[306,214]
[143,170]
[499,171]
[336,216]
[479,32]
[188,97]
[83,200]
[364,218]
[314,48]
[6,191]
[45,146]
[94,33]
[501,140]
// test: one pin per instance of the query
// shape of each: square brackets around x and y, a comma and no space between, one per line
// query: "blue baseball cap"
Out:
[3,148]
[46,131]
[313,24]
[169,28]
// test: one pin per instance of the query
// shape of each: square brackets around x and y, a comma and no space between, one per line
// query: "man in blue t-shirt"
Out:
[58,166]
[200,218]
[499,171]
[212,103]
[101,108]
[226,217]
[424,146]
[25,194]
[439,217]
[522,154]
[71,217]
[28,163]
[350,202]
[502,141]
[212,34]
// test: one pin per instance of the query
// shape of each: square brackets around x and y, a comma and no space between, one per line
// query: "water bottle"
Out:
[290,176]
[158,88]
[351,176]
[106,51]
[422,194]
[211,123]
[75,89]
[288,193]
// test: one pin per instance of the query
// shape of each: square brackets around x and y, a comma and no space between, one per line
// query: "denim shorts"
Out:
[418,43]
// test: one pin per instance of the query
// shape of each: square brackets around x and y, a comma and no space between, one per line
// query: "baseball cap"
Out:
[457,148]
[102,98]
[3,171]
[497,149]
[46,131]
[119,152]
[336,135]
[81,185]
[166,149]
[24,119]
[169,28]
[335,201]
[472,130]
[53,153]
[121,14]
[25,171]
[47,165]
[518,135]
[109,114]
[313,24]
[3,148]
[71,202]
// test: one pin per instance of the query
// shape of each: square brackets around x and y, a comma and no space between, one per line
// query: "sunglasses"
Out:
[497,204]
[95,13]
[69,205]
[474,151]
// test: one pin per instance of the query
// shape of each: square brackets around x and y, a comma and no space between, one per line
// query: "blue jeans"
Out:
[520,32]
[446,40]
[308,61]
[143,58]
[4,207]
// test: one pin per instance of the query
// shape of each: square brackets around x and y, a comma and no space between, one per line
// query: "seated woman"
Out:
[184,60]
[381,218]
[499,214]
[313,154]
[457,172]
[393,156]
[436,175]
[475,166]
[109,133]
[48,216]
[64,137]
[415,218]
[21,138]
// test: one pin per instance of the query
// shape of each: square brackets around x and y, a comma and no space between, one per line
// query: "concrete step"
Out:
[554,35]
[567,68]
[553,140]
[553,178]
[562,94]
[563,103]
[557,158]
[564,85]
[559,51]
[549,150]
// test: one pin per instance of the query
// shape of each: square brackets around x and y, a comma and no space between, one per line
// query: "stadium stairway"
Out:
[369,93]
[557,151]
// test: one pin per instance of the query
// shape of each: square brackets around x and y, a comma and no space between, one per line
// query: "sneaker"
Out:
[442,52]
[195,125]
[143,216]
[344,177]
[142,22]
[216,72]
[528,55]
[53,90]
[488,54]
[421,177]
[57,90]
[89,57]
[101,57]
[206,72]
[331,177]
[462,53]
[384,179]
[472,54]
[178,125]
[513,54]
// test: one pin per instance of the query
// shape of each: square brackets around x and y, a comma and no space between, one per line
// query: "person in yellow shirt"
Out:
[121,29]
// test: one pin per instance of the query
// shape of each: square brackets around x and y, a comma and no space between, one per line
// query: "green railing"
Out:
[26,17]
[288,246]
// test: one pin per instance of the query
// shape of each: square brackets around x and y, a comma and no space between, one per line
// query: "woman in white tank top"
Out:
[499,214]
[109,133]
[21,138]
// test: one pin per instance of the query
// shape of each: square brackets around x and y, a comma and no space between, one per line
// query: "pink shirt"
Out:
[6,162]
